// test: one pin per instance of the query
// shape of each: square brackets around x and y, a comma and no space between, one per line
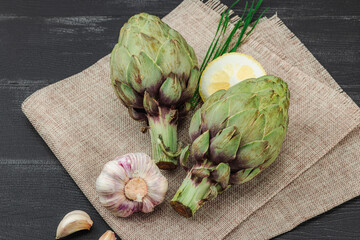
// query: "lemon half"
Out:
[226,71]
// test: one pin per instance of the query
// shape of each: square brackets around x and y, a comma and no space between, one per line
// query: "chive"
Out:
[214,51]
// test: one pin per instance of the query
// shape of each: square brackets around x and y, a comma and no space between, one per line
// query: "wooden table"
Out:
[45,41]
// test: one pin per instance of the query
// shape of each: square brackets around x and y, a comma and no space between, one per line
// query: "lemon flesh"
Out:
[226,71]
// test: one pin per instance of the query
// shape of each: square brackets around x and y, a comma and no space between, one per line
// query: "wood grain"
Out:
[44,41]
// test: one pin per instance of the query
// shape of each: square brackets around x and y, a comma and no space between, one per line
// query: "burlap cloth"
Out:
[85,125]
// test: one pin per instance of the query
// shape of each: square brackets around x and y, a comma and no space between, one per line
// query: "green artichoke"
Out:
[155,73]
[235,135]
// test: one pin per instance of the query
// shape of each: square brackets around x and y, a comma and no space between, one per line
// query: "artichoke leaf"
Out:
[200,146]
[195,125]
[215,117]
[141,42]
[251,155]
[254,131]
[136,115]
[243,119]
[244,175]
[184,155]
[144,75]
[275,139]
[265,82]
[191,84]
[151,106]
[242,101]
[156,29]
[224,146]
[200,172]
[267,97]
[120,58]
[212,99]
[245,86]
[274,117]
[128,95]
[172,58]
[170,91]
[221,174]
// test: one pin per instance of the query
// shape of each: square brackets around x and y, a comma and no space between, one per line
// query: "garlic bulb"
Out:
[131,183]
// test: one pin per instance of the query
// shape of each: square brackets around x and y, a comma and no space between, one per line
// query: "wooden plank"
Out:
[161,7]
[54,48]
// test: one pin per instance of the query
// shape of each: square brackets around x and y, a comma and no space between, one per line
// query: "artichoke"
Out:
[155,73]
[235,135]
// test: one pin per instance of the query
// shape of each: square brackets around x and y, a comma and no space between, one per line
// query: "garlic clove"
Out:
[74,221]
[148,205]
[108,235]
[156,188]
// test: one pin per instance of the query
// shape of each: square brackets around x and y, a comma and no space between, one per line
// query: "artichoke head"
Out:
[235,135]
[155,73]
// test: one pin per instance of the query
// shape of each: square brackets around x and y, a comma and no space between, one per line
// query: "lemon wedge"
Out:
[226,71]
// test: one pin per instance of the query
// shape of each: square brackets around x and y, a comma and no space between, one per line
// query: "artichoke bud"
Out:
[244,175]
[170,91]
[128,95]
[200,146]
[151,106]
[247,126]
[224,145]
[221,174]
[195,125]
[157,64]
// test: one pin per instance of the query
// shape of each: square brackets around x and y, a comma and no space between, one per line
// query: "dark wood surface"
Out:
[44,41]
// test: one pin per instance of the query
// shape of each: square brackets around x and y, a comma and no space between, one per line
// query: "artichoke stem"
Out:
[163,132]
[192,194]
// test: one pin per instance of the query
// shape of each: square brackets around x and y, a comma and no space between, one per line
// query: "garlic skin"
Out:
[74,221]
[108,235]
[131,183]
